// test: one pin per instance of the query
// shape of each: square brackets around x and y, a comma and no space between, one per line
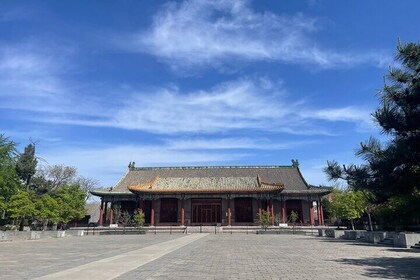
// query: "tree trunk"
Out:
[369,220]
[44,225]
[27,183]
[352,224]
[21,224]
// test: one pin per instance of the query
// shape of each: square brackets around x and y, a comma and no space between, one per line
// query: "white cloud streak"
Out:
[233,143]
[204,32]
[32,81]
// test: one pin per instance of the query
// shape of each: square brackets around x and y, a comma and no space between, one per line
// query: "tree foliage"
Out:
[391,171]
[348,205]
[293,217]
[125,218]
[9,181]
[26,164]
[21,206]
[138,218]
[71,201]
[264,219]
[53,193]
[2,204]
[47,209]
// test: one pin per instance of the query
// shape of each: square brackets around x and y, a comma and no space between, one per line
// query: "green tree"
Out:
[26,164]
[391,171]
[264,219]
[9,181]
[21,207]
[47,209]
[293,217]
[138,218]
[71,201]
[2,204]
[347,204]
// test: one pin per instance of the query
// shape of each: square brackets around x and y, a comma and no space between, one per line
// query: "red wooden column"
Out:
[106,212]
[259,209]
[111,214]
[321,211]
[182,212]
[229,221]
[283,211]
[272,211]
[311,212]
[101,214]
[152,213]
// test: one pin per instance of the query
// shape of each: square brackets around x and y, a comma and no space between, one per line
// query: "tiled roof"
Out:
[205,184]
[213,177]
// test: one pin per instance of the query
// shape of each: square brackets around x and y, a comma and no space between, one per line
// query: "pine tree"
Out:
[26,164]
[392,170]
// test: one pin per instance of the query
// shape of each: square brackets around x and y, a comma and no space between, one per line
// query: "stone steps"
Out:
[389,241]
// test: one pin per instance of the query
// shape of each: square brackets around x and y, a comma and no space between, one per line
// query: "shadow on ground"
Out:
[389,268]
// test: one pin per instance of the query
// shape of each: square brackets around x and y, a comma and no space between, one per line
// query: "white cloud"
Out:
[228,106]
[342,114]
[31,80]
[233,143]
[244,104]
[201,32]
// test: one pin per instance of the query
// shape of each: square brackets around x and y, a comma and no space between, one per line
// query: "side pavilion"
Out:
[209,195]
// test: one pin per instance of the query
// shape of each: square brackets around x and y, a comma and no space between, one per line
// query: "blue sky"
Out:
[98,84]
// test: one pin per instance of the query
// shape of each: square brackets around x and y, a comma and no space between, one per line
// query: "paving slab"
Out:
[112,267]
[220,256]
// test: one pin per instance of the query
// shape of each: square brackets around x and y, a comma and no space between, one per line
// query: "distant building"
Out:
[225,195]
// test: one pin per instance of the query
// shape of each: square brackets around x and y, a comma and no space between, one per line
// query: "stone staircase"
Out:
[388,241]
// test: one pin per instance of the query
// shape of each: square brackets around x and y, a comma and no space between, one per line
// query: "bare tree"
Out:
[87,184]
[53,177]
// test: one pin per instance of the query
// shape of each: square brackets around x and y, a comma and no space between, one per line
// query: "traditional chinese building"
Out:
[225,195]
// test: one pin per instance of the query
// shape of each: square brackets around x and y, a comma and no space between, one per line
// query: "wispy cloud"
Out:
[253,104]
[236,143]
[30,78]
[245,104]
[200,32]
[34,81]
[34,78]
[358,115]
[15,13]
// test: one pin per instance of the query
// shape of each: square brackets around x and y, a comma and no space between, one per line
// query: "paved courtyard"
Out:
[204,256]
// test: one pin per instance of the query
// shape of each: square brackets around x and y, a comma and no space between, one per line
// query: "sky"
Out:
[99,84]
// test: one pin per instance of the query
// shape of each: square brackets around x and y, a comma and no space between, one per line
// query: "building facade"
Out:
[210,195]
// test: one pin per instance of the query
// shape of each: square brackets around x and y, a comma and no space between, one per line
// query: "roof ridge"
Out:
[212,167]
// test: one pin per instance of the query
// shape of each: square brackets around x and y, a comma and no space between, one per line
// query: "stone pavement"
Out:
[222,256]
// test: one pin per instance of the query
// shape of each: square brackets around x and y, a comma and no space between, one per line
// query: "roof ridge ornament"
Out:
[131,165]
[295,163]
